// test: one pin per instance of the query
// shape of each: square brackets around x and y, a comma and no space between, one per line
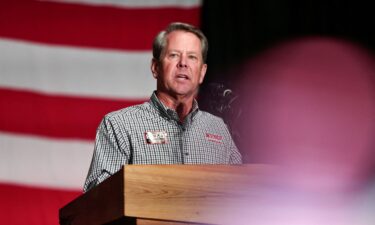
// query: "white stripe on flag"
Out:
[137,3]
[75,71]
[44,162]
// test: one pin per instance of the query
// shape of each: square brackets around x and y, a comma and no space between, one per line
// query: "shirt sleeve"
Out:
[235,155]
[111,152]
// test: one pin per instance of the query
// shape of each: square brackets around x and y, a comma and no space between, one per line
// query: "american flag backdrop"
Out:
[64,64]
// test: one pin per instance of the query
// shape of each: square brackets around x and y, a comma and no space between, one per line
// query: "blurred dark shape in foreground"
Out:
[308,106]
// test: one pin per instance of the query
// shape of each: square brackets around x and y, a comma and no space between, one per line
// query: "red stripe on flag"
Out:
[87,25]
[54,116]
[27,205]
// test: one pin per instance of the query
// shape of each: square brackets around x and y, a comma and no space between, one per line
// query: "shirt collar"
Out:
[170,113]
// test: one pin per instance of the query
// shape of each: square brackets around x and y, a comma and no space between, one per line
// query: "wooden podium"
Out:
[169,194]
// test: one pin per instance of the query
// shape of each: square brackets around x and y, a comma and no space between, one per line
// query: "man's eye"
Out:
[173,55]
[192,57]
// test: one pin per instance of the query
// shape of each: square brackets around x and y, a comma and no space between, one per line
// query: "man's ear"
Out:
[155,68]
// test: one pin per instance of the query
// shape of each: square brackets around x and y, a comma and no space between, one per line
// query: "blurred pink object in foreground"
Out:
[309,107]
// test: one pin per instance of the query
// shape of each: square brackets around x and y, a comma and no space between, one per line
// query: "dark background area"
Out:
[242,29]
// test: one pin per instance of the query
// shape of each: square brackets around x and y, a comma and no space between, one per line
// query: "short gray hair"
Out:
[160,40]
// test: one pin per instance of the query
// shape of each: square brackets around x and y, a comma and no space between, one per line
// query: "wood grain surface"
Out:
[171,195]
[191,193]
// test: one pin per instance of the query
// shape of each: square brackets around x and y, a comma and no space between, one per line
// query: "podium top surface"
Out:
[210,194]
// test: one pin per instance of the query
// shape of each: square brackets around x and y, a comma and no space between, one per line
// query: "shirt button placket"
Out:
[182,133]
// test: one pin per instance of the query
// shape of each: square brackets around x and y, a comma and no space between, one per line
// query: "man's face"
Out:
[181,69]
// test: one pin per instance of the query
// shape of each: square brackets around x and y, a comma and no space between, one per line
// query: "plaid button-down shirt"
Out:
[151,133]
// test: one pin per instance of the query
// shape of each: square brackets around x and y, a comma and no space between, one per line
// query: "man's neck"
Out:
[181,104]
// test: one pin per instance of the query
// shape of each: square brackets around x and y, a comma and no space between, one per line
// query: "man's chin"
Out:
[185,93]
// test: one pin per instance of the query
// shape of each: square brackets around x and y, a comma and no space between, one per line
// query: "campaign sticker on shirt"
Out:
[156,137]
[214,137]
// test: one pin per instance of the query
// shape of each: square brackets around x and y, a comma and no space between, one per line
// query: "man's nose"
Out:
[182,62]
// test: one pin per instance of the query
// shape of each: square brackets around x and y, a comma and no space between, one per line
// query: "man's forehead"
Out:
[169,50]
[183,40]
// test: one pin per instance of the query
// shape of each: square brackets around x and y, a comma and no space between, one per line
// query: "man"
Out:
[169,129]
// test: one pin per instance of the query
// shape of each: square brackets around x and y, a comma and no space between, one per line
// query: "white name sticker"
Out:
[156,137]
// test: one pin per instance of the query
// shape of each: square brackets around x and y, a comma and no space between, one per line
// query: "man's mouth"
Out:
[182,76]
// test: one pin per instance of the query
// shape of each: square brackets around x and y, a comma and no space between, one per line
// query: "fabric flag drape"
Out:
[64,64]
